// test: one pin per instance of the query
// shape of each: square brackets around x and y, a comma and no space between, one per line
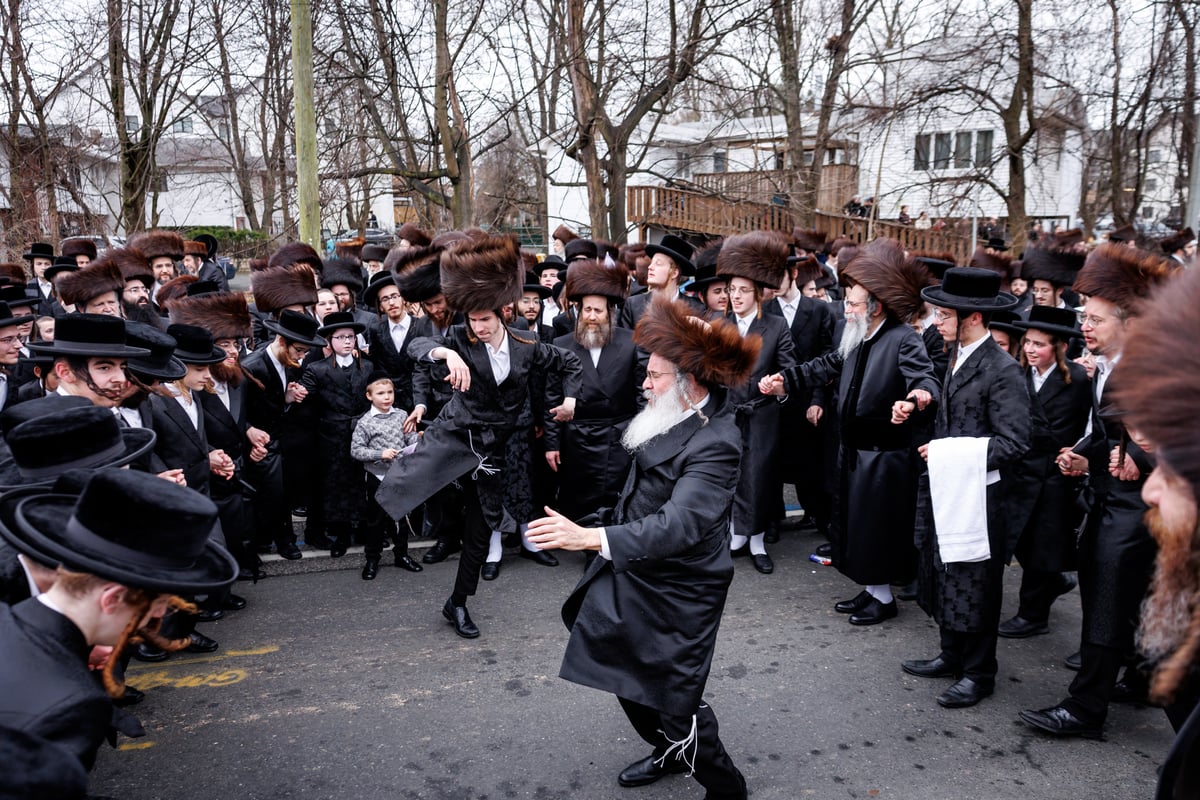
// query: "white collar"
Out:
[965,351]
[344,361]
[503,348]
[375,412]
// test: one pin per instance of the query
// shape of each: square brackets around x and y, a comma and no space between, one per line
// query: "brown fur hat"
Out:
[225,315]
[1121,275]
[295,253]
[593,277]
[79,247]
[1159,375]
[173,290]
[812,241]
[276,288]
[418,273]
[1069,238]
[413,235]
[258,264]
[449,238]
[158,243]
[344,271]
[758,256]
[77,288]
[373,252]
[1054,264]
[1178,241]
[350,248]
[195,249]
[482,275]
[15,273]
[995,261]
[714,353]
[564,234]
[807,269]
[133,263]
[890,276]
[835,247]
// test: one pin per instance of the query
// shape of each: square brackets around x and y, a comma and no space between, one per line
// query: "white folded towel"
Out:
[958,481]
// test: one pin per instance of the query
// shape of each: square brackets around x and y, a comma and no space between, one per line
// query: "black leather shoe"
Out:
[1068,583]
[209,614]
[964,694]
[461,620]
[854,604]
[290,551]
[252,574]
[131,697]
[1060,722]
[874,613]
[1074,661]
[149,653]
[933,668]
[318,541]
[763,564]
[232,602]
[825,550]
[1021,628]
[370,569]
[771,536]
[647,771]
[741,552]
[338,547]
[907,592]
[201,643]
[406,562]
[490,571]
[438,552]
[540,557]
[1132,688]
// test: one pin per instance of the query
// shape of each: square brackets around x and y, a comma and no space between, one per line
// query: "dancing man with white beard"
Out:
[644,618]
[885,380]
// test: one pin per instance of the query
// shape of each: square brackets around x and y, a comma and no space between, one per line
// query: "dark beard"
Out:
[1169,634]
[224,373]
[589,339]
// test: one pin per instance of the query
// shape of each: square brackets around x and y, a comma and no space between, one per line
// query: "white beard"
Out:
[854,334]
[659,416]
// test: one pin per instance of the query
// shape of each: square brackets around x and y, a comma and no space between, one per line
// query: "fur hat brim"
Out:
[276,288]
[594,278]
[159,244]
[77,288]
[342,271]
[79,247]
[759,256]
[413,235]
[482,275]
[1121,275]
[296,253]
[225,316]
[714,353]
[890,276]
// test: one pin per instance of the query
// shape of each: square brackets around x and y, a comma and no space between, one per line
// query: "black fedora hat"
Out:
[129,527]
[210,243]
[679,251]
[339,320]
[161,363]
[194,345]
[297,327]
[39,250]
[61,264]
[552,261]
[81,437]
[578,250]
[199,288]
[995,243]
[1060,322]
[370,296]
[936,266]
[532,285]
[970,289]
[20,296]
[50,405]
[1006,321]
[705,277]
[8,320]
[89,336]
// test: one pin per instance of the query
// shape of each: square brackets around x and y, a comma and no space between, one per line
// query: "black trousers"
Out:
[476,536]
[1039,590]
[442,516]
[379,526]
[272,512]
[974,654]
[714,769]
[1093,684]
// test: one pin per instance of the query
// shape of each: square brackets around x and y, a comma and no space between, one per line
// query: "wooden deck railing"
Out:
[685,211]
[836,226]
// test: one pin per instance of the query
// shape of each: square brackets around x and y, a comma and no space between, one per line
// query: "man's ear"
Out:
[113,597]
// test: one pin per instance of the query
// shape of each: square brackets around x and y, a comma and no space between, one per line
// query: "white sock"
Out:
[737,542]
[758,547]
[528,545]
[882,593]
[495,548]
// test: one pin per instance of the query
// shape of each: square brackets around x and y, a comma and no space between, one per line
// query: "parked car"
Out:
[372,236]
[102,241]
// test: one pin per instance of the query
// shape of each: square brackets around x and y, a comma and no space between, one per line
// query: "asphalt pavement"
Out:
[327,686]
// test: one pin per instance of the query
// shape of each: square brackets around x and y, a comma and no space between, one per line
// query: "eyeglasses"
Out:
[942,316]
[389,299]
[347,337]
[1091,321]
[738,291]
[9,341]
[652,375]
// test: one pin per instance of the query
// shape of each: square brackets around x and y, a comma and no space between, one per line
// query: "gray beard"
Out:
[589,338]
[854,334]
[659,416]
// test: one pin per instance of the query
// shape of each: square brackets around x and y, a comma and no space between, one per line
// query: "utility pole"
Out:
[306,123]
[1191,217]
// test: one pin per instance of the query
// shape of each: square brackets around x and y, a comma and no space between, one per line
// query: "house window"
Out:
[808,158]
[1154,156]
[921,152]
[983,148]
[719,161]
[182,125]
[962,151]
[1147,212]
[1151,184]
[132,123]
[941,151]
[223,131]
[240,223]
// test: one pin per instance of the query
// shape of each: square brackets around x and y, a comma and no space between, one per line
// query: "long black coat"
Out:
[470,435]
[644,625]
[178,443]
[337,398]
[397,364]
[756,502]
[14,585]
[876,492]
[45,686]
[985,398]
[594,463]
[1059,413]
[635,306]
[1116,550]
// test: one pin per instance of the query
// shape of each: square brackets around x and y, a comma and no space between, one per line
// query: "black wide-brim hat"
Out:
[532,284]
[194,345]
[61,264]
[161,364]
[970,289]
[379,280]
[679,251]
[86,437]
[340,320]
[39,250]
[1006,321]
[1059,322]
[8,319]
[89,336]
[160,541]
[296,327]
[705,277]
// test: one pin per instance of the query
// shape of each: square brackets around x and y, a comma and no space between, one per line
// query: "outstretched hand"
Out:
[556,532]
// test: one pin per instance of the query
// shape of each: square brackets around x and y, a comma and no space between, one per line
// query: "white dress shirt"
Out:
[399,330]
[965,352]
[499,358]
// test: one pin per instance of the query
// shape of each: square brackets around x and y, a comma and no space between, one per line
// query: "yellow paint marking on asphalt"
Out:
[136,746]
[183,662]
[152,680]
